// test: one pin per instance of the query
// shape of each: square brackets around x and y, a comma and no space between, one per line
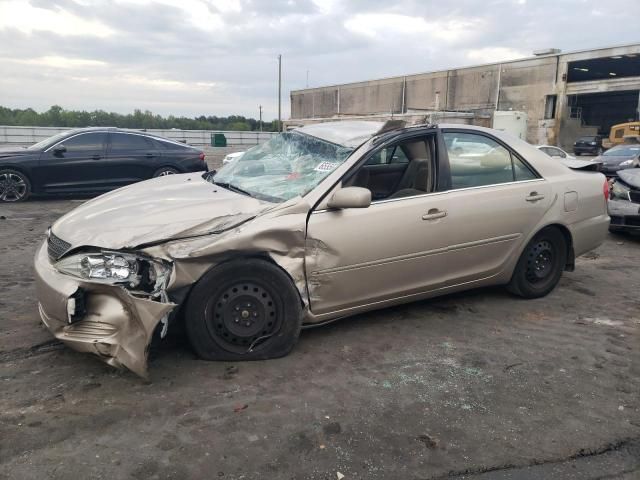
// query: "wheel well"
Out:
[246,256]
[169,165]
[17,169]
[571,256]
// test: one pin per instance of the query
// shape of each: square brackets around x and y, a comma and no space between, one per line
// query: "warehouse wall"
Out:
[521,85]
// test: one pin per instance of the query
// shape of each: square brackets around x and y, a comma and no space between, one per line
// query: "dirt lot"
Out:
[477,385]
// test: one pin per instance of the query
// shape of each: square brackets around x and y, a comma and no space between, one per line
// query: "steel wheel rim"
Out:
[13,187]
[242,315]
[540,261]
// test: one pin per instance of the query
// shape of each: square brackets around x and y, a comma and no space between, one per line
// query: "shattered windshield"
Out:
[290,164]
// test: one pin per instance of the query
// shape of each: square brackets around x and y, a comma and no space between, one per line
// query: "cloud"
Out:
[218,57]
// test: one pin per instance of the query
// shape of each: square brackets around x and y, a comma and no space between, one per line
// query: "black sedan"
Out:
[91,160]
[620,157]
[591,145]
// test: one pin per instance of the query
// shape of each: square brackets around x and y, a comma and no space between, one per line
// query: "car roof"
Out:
[76,131]
[350,133]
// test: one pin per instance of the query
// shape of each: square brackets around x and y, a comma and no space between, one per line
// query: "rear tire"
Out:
[164,171]
[243,310]
[14,186]
[541,265]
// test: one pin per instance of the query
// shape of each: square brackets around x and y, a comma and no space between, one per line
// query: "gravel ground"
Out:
[478,385]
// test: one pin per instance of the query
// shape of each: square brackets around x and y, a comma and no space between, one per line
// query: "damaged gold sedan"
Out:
[317,224]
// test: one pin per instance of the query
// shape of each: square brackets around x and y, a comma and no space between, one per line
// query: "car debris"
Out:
[624,203]
[297,232]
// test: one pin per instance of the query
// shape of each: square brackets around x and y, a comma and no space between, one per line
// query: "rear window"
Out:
[623,151]
[172,145]
[587,139]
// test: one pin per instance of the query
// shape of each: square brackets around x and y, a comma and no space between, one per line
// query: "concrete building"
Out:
[564,95]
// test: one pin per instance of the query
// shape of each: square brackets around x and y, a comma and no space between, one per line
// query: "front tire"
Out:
[541,265]
[14,186]
[243,310]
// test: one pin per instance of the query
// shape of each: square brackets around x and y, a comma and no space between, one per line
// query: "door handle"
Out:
[150,155]
[434,214]
[534,197]
[95,157]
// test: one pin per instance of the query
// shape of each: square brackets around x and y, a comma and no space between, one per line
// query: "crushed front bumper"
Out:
[112,323]
[625,215]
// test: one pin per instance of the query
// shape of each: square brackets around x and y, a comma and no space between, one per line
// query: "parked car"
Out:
[624,204]
[619,158]
[231,157]
[91,160]
[306,229]
[591,145]
[555,152]
[569,160]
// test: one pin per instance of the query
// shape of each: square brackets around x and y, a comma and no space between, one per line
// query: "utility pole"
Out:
[260,122]
[307,78]
[279,93]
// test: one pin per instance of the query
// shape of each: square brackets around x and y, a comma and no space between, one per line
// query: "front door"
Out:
[395,248]
[78,168]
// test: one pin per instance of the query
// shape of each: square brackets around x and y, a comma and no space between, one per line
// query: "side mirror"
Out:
[59,149]
[350,197]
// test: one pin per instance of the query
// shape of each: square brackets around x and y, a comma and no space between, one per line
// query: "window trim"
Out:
[395,143]
[511,151]
[375,145]
[77,135]
[150,143]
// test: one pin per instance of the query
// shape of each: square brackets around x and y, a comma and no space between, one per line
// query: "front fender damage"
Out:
[118,324]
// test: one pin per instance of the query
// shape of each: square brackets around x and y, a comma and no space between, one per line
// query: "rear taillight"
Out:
[605,189]
[201,157]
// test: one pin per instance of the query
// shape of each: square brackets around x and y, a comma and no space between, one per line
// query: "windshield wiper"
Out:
[233,188]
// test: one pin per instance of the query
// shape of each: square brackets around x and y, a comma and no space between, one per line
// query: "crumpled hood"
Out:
[155,210]
[630,176]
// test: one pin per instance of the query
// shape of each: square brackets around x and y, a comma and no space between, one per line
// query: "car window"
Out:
[476,160]
[122,141]
[85,142]
[623,151]
[553,152]
[387,156]
[288,165]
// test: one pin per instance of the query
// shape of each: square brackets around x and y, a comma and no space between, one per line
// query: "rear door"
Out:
[494,203]
[131,158]
[78,167]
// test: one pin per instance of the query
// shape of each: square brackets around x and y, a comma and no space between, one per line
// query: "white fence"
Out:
[197,138]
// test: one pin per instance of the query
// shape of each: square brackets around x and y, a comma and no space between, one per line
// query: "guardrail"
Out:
[198,138]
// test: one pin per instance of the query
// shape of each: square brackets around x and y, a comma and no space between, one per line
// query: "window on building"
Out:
[550,106]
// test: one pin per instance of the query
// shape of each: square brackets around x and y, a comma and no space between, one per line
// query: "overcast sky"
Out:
[218,57]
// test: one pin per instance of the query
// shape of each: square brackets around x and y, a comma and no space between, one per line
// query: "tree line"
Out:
[57,116]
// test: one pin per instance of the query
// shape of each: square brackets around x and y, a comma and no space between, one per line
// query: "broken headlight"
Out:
[116,268]
[618,190]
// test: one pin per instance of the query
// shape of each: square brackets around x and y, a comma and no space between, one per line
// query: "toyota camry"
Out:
[317,224]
